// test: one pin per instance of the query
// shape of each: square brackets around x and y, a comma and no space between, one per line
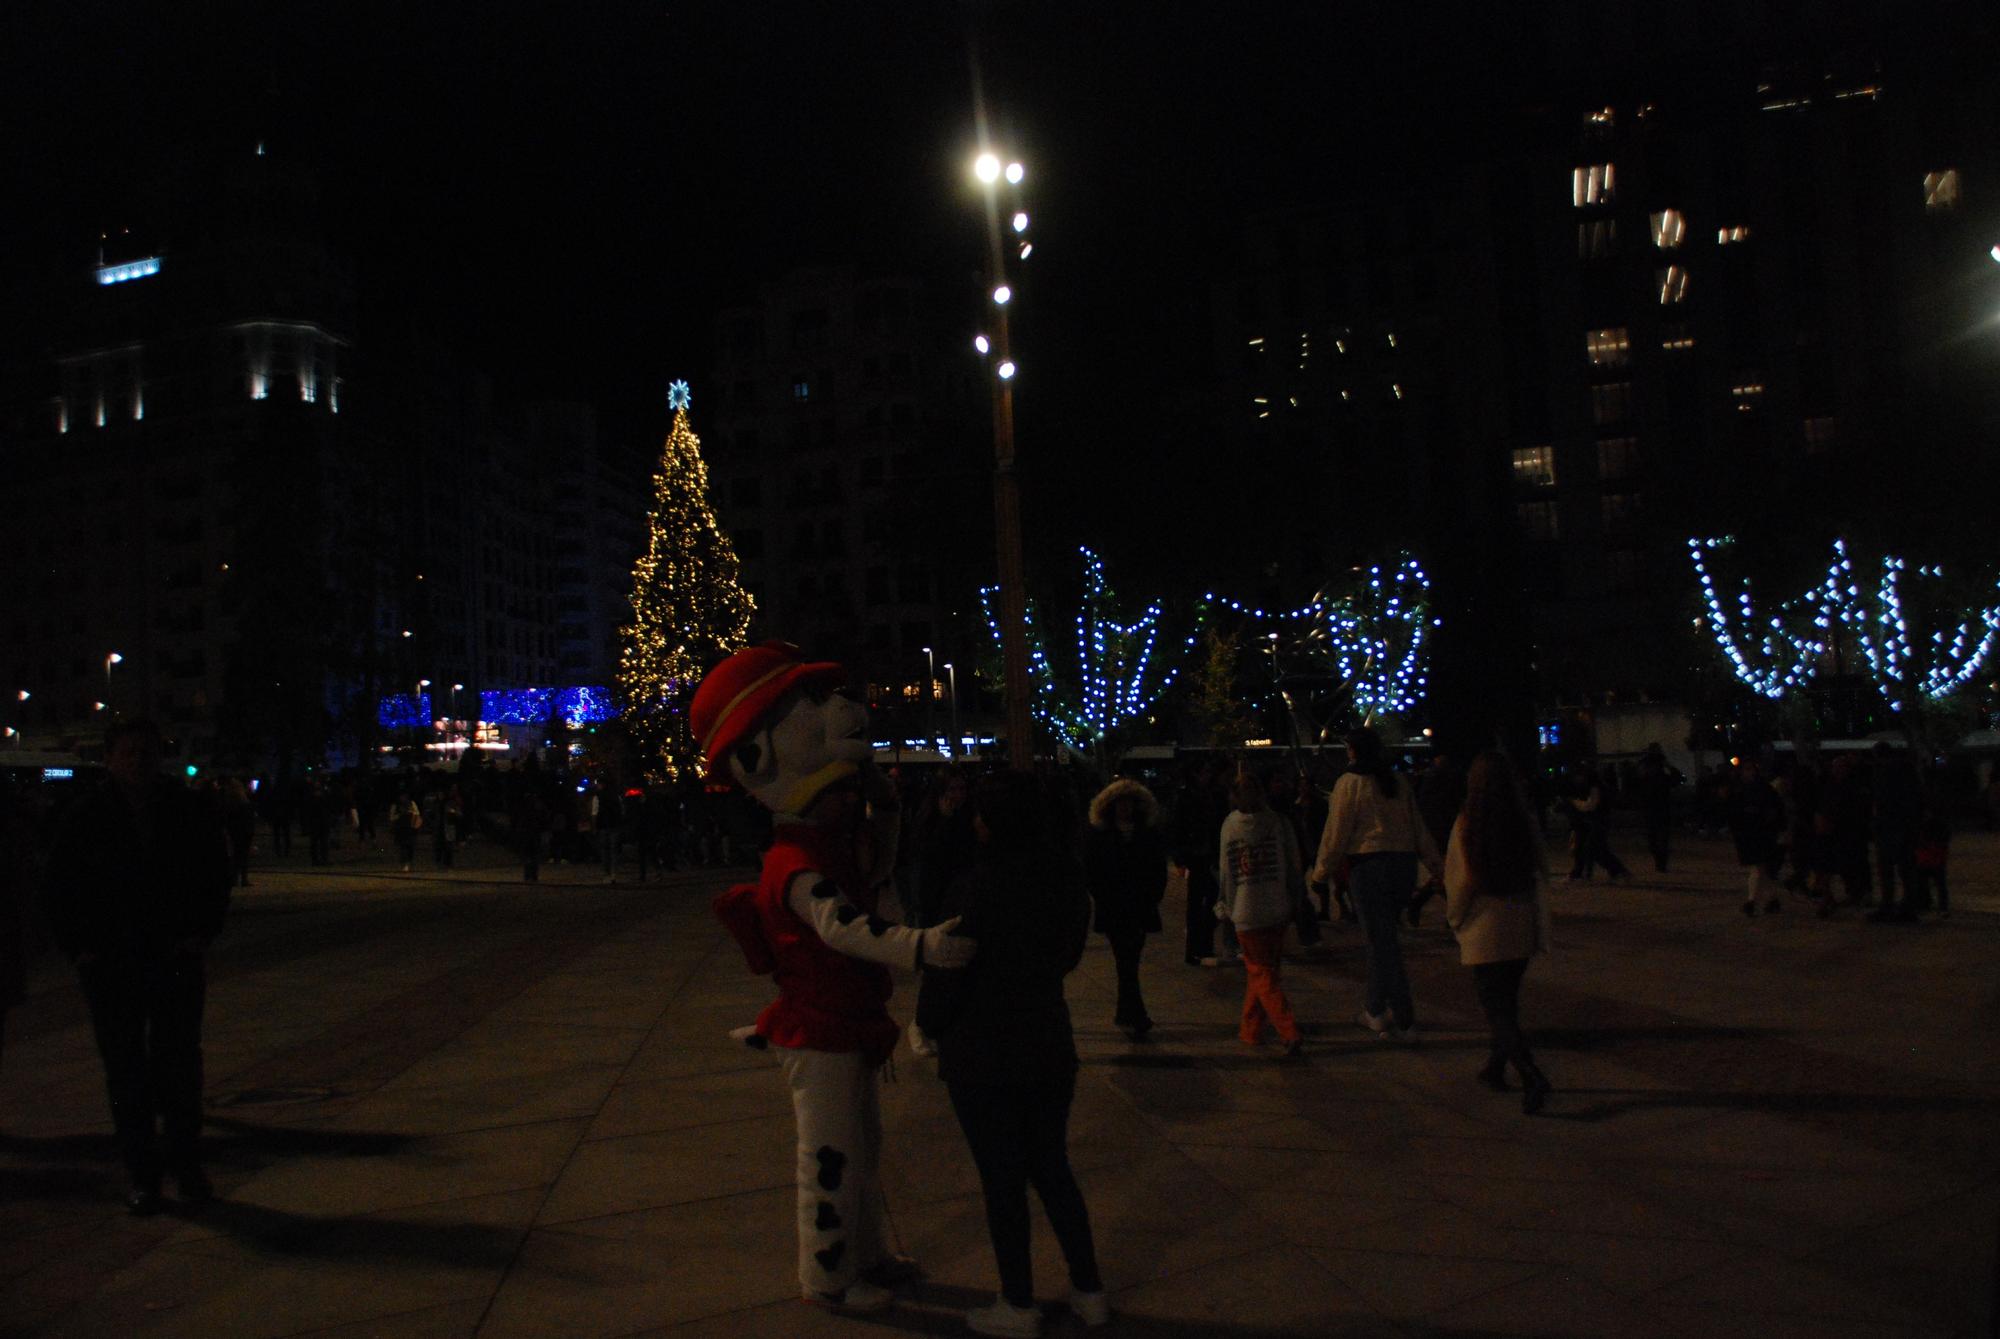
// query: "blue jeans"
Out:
[1382,884]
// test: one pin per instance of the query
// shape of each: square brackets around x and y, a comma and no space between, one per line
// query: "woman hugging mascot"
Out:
[820,920]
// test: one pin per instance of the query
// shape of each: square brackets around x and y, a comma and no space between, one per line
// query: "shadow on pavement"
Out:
[85,1166]
[385,1241]
[1625,1100]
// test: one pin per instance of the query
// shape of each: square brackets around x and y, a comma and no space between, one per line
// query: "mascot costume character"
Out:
[819,921]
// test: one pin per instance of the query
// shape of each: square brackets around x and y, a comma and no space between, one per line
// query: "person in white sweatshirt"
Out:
[1260,882]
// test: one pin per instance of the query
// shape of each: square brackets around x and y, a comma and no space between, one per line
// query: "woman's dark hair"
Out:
[1015,809]
[1503,854]
[1370,759]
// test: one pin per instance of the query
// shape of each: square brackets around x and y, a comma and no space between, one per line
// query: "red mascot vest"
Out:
[826,1001]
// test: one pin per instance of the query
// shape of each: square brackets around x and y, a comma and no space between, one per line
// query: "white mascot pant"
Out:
[837,1101]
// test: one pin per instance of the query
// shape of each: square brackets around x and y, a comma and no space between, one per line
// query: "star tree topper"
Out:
[678,395]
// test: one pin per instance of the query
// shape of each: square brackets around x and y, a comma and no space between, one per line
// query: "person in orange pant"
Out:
[1261,880]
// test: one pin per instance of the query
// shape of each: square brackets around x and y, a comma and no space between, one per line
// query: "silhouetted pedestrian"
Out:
[138,886]
[1125,858]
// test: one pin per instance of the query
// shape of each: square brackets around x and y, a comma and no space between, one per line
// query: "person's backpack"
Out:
[736,908]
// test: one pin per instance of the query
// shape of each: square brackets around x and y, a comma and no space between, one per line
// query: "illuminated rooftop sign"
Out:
[134,269]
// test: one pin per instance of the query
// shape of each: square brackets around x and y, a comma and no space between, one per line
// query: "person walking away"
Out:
[1261,884]
[1006,1052]
[1899,808]
[530,820]
[609,822]
[1756,822]
[1654,783]
[1496,904]
[1308,821]
[1374,840]
[138,886]
[319,822]
[945,847]
[1440,795]
[438,824]
[1125,861]
[1933,856]
[1590,815]
[239,819]
[1197,820]
[404,821]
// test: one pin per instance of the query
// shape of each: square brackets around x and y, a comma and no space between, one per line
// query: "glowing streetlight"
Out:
[97,706]
[1003,295]
[983,344]
[957,741]
[1995,253]
[987,168]
[1006,371]
[1014,174]
[930,694]
[23,695]
[1021,220]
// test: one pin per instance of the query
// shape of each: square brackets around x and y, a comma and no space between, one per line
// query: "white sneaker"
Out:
[1093,1309]
[919,1043]
[859,1298]
[1375,1023]
[1003,1317]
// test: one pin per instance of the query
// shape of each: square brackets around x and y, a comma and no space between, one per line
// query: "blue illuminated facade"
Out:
[573,707]
[120,274]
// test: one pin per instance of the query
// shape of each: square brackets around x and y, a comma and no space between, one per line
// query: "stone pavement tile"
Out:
[792,1319]
[1764,1281]
[1252,1129]
[542,1005]
[1571,1206]
[281,1274]
[522,1052]
[421,1171]
[1522,1156]
[646,1105]
[1937,1258]
[1627,1266]
[1406,1227]
[1333,1178]
[413,1107]
[453,1320]
[1800,1211]
[656,1267]
[1261,1291]
[1404,1287]
[1549,1305]
[62,1279]
[1661,1321]
[644,1171]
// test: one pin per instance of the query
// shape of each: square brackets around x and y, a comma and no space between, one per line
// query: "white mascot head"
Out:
[778,725]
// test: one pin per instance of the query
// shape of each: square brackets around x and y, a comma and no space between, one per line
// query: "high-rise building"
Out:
[848,454]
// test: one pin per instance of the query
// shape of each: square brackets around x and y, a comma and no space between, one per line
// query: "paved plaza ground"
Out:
[457,1106]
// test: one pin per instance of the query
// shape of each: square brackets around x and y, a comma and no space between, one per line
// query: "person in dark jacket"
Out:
[1655,782]
[138,885]
[1899,808]
[1125,859]
[1005,1049]
[1756,823]
[1199,809]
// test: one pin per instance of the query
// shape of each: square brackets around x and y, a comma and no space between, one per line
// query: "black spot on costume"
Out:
[831,1163]
[829,1217]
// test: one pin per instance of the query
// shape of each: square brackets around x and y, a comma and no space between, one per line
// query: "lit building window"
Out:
[1536,519]
[1748,395]
[1608,347]
[1617,457]
[1592,185]
[1821,431]
[1596,239]
[1669,229]
[62,415]
[1676,336]
[138,404]
[1941,189]
[1673,285]
[1601,120]
[100,411]
[260,385]
[1535,466]
[1611,403]
[802,390]
[1729,236]
[1619,511]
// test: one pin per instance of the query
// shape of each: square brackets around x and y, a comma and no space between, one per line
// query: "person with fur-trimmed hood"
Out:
[821,922]
[1125,856]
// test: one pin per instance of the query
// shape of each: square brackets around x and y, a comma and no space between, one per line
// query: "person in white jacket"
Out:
[1373,841]
[1493,877]
[1260,882]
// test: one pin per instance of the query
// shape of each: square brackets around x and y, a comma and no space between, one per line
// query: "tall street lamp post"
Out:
[451,733]
[21,735]
[1006,484]
[930,696]
[957,740]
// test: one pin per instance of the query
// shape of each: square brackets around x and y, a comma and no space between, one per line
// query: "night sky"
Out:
[568,193]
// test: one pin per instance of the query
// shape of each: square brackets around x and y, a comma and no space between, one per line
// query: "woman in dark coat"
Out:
[1005,1049]
[1756,820]
[1125,858]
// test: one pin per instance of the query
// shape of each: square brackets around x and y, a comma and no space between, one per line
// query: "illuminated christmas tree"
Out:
[688,610]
